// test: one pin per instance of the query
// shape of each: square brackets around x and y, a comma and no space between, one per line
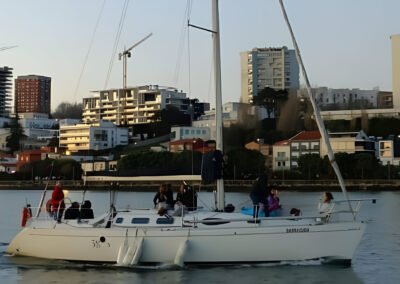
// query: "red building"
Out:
[32,94]
[28,156]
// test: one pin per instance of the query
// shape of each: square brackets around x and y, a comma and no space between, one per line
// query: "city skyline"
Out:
[343,45]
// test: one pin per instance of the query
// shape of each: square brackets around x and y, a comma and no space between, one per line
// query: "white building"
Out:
[342,99]
[287,153]
[349,142]
[281,156]
[95,136]
[232,113]
[41,128]
[358,113]
[4,133]
[276,68]
[187,132]
[8,164]
[134,105]
[68,121]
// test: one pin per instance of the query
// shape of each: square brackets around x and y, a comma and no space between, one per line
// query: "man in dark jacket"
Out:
[259,195]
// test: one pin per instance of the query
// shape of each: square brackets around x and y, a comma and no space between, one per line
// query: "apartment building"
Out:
[132,106]
[188,132]
[346,99]
[96,136]
[276,68]
[32,94]
[349,142]
[5,89]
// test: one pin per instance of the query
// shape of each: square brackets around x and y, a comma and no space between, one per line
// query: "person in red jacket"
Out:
[57,202]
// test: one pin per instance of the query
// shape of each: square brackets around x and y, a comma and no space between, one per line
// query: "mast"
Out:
[318,118]
[218,97]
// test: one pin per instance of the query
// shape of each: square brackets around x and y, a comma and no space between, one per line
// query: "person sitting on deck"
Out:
[325,206]
[180,207]
[180,195]
[274,207]
[160,199]
[86,210]
[72,212]
[170,197]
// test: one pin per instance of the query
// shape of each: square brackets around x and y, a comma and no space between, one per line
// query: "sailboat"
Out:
[139,237]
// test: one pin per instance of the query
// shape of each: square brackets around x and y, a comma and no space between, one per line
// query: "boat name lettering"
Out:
[99,244]
[297,230]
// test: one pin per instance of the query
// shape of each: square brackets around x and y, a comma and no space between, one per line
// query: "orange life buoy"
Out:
[26,214]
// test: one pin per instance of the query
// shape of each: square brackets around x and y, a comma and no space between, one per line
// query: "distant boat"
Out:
[130,237]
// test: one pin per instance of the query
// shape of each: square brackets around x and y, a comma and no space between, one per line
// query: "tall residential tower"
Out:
[32,94]
[276,68]
[5,88]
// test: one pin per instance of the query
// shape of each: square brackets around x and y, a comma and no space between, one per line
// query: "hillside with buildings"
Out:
[272,119]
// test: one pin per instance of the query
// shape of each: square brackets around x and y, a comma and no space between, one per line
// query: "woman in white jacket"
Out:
[325,205]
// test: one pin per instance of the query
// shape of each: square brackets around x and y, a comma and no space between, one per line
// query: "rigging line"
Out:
[188,45]
[210,82]
[89,49]
[181,45]
[317,114]
[189,68]
[116,42]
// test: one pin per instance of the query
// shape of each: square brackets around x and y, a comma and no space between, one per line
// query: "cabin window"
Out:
[119,220]
[140,220]
[165,220]
[215,222]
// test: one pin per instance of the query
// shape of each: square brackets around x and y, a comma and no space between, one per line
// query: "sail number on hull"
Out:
[297,230]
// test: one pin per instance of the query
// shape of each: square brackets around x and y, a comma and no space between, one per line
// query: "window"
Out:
[119,220]
[215,221]
[140,220]
[165,220]
[281,155]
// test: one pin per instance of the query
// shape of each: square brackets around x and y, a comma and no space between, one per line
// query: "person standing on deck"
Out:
[259,195]
[57,202]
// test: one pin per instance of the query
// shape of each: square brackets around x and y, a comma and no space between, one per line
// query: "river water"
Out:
[377,259]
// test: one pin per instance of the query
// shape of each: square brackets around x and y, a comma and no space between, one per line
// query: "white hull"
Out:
[240,242]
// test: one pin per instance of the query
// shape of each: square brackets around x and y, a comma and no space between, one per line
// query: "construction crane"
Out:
[7,47]
[127,53]
[124,56]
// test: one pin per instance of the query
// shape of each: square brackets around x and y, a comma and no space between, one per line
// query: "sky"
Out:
[344,44]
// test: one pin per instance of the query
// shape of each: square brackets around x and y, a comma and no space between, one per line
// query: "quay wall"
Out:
[230,185]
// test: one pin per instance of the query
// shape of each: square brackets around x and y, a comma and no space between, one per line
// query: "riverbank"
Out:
[230,185]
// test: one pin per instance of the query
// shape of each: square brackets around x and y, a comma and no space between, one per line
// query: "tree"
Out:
[164,119]
[16,135]
[272,100]
[68,110]
[366,165]
[243,163]
[310,165]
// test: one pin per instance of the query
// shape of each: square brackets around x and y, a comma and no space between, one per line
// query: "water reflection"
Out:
[29,270]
